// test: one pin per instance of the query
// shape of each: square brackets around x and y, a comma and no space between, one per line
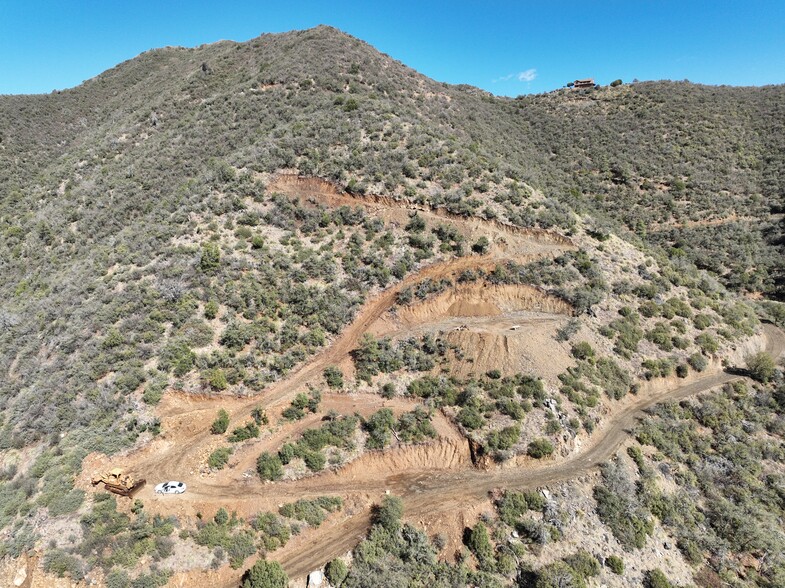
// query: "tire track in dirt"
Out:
[324,192]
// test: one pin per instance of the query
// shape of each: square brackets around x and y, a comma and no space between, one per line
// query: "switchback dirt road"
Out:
[434,479]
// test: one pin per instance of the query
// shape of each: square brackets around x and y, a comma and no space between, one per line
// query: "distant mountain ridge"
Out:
[327,104]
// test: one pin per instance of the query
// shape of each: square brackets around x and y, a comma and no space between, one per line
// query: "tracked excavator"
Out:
[116,481]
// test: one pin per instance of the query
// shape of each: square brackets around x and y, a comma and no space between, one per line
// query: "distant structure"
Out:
[587,83]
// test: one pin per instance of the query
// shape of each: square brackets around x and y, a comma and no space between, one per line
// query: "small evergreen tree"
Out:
[221,423]
[336,572]
[265,574]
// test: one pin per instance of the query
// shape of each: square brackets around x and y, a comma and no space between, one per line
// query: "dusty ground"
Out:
[505,239]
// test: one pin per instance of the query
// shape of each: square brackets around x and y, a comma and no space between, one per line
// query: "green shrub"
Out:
[707,343]
[60,563]
[269,467]
[388,514]
[219,458]
[301,402]
[434,387]
[239,547]
[388,390]
[657,368]
[216,379]
[211,310]
[314,460]
[211,257]
[336,572]
[480,545]
[274,530]
[513,505]
[415,426]
[481,246]
[176,357]
[614,379]
[629,524]
[582,350]
[221,423]
[249,431]
[196,332]
[221,516]
[566,332]
[333,376]
[154,391]
[540,448]
[63,502]
[702,321]
[259,416]
[698,362]
[557,575]
[471,418]
[265,574]
[584,563]
[379,427]
[504,439]
[513,409]
[493,374]
[236,335]
[690,550]
[287,453]
[656,579]
[660,335]
[313,512]
[761,366]
[615,564]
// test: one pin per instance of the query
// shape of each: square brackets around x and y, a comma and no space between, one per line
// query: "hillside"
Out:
[371,271]
[705,162]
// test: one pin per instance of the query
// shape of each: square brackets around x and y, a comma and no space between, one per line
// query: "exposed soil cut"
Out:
[511,328]
[505,240]
[436,479]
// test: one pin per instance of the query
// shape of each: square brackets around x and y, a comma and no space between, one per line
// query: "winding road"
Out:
[426,491]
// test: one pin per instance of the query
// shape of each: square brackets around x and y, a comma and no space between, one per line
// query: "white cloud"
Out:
[527,76]
[522,76]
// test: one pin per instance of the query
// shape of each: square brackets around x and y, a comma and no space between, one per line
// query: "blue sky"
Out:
[505,47]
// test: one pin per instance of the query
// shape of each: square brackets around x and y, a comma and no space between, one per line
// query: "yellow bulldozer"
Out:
[115,480]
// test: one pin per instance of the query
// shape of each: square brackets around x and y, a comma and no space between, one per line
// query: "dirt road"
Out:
[177,460]
[431,479]
[426,493]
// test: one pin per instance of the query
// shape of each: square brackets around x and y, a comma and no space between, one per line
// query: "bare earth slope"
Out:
[433,479]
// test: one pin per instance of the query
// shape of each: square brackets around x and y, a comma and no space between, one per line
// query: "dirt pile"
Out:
[530,350]
[441,454]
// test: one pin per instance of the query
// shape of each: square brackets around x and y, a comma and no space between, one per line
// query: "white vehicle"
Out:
[170,488]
